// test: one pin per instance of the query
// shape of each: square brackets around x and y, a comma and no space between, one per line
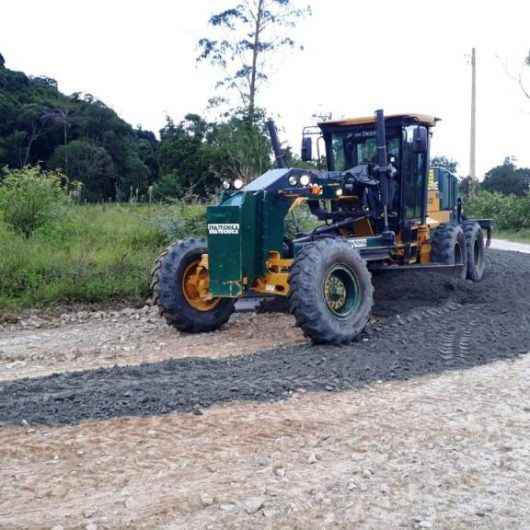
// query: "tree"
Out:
[469,186]
[447,163]
[253,30]
[196,156]
[89,164]
[507,179]
[245,150]
[36,119]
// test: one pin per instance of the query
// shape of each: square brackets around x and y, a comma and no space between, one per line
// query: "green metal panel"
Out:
[275,209]
[242,231]
[224,251]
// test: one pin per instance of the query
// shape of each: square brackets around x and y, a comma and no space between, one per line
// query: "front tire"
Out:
[331,291]
[179,287]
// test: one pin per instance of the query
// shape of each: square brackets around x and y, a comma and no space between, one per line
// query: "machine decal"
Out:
[359,243]
[223,229]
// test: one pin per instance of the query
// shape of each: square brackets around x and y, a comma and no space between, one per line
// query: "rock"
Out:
[352,486]
[206,500]
[279,471]
[253,504]
[263,461]
[424,524]
[91,526]
[312,459]
[228,507]
[58,527]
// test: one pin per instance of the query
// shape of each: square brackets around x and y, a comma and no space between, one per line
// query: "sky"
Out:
[411,56]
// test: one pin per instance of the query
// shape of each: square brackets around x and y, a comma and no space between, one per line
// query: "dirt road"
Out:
[112,420]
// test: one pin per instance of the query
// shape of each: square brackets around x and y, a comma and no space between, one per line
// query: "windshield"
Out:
[353,148]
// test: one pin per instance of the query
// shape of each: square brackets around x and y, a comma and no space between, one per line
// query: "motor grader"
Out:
[379,207]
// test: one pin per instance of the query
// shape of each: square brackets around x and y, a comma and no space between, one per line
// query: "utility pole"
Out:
[473,143]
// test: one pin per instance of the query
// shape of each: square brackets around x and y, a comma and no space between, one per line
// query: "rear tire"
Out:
[476,264]
[449,247]
[168,290]
[331,291]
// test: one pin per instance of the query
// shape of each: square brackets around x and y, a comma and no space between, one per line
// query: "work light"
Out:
[305,180]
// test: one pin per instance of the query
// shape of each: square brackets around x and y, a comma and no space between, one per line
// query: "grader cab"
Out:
[379,206]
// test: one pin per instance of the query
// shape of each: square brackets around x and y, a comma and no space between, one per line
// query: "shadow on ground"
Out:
[425,324]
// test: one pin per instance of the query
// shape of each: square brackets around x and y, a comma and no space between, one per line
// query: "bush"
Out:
[93,253]
[29,198]
[510,212]
[181,220]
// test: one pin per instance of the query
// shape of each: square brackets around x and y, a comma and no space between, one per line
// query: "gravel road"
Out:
[423,324]
[114,420]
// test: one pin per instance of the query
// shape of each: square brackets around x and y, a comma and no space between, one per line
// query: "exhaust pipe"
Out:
[276,147]
[382,162]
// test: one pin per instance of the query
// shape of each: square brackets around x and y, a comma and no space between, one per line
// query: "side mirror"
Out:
[420,139]
[307,149]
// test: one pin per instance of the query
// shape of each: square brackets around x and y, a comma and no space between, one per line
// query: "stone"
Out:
[206,500]
[253,504]
[279,471]
[228,507]
[312,459]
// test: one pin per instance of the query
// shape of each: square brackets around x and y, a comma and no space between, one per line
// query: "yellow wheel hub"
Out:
[195,287]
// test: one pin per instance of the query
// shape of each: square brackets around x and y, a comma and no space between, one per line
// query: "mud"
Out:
[422,323]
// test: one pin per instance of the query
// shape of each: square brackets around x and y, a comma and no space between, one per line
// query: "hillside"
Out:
[76,133]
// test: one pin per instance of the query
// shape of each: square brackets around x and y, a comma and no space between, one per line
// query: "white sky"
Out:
[139,58]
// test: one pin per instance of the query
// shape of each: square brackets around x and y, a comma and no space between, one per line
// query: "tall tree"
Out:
[249,33]
[507,179]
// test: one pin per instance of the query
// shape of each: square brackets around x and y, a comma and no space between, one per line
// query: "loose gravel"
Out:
[423,323]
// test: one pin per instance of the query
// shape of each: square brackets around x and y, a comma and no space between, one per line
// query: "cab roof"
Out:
[424,119]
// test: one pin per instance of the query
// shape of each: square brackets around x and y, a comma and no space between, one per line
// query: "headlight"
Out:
[238,184]
[226,184]
[305,180]
[293,181]
[339,192]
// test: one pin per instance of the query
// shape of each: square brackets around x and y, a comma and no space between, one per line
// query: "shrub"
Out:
[510,212]
[29,198]
[181,220]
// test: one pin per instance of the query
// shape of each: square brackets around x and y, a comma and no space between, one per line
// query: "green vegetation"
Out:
[29,199]
[78,134]
[511,213]
[507,179]
[94,253]
[519,236]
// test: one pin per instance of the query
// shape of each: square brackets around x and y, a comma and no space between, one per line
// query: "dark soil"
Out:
[423,323]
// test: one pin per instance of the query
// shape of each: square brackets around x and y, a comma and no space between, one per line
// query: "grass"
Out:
[519,236]
[104,253]
[95,253]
